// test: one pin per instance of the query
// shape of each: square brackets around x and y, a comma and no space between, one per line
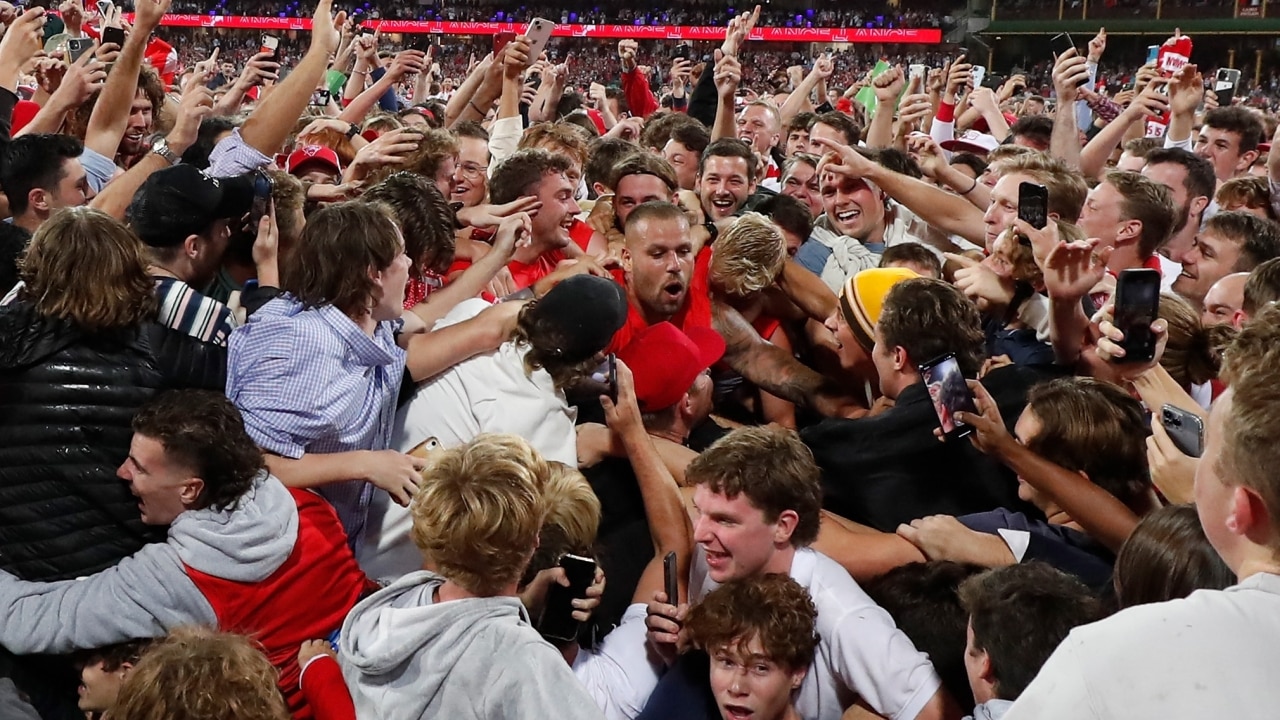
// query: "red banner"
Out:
[931,36]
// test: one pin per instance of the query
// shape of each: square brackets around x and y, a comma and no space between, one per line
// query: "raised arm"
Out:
[799,98]
[888,86]
[1069,73]
[1094,156]
[110,114]
[728,76]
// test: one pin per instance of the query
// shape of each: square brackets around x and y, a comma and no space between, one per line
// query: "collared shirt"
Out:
[233,156]
[311,381]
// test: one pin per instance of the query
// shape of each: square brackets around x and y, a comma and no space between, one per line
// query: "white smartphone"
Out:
[104,10]
[917,70]
[539,32]
[978,74]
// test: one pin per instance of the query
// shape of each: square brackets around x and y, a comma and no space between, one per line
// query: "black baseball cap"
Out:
[182,200]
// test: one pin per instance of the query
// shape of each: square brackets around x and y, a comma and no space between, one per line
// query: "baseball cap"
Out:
[863,299]
[312,154]
[182,200]
[581,314]
[665,360]
[971,141]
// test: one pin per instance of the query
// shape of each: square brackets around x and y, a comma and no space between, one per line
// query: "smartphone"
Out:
[500,41]
[1224,86]
[557,621]
[1033,204]
[538,32]
[1153,53]
[670,579]
[425,448]
[105,7]
[950,394]
[113,35]
[978,74]
[1185,429]
[261,204]
[681,52]
[76,47]
[917,70]
[366,30]
[1137,306]
[1061,43]
[611,378]
[320,98]
[271,44]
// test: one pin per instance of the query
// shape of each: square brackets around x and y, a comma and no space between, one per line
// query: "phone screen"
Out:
[557,620]
[612,378]
[1137,306]
[950,394]
[1033,205]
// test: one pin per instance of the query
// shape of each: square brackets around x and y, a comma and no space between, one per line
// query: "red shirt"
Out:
[695,313]
[526,274]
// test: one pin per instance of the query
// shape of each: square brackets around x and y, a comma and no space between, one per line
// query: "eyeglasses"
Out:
[473,171]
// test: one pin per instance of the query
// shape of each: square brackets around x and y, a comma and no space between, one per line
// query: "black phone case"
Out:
[557,621]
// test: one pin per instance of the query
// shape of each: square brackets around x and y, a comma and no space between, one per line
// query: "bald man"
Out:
[1223,302]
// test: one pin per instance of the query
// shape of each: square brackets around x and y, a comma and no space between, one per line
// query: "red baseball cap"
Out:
[665,361]
[312,154]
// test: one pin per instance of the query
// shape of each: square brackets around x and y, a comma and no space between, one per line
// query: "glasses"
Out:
[473,171]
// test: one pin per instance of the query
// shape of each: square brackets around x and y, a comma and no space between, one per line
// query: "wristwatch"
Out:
[160,146]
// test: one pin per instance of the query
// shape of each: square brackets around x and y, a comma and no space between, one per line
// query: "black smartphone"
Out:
[670,580]
[1033,204]
[1061,43]
[261,200]
[1137,306]
[1224,86]
[949,393]
[612,377]
[557,621]
[1185,429]
[682,52]
[113,35]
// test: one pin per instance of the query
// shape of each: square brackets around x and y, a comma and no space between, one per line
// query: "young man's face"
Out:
[684,161]
[801,183]
[1208,261]
[1100,216]
[748,685]
[98,687]
[635,190]
[658,259]
[1003,209]
[1222,148]
[852,206]
[139,127]
[758,128]
[158,483]
[852,356]
[737,540]
[559,209]
[73,188]
[470,180]
[797,141]
[724,185]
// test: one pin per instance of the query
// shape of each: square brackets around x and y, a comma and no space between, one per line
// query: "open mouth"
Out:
[737,712]
[673,290]
[848,216]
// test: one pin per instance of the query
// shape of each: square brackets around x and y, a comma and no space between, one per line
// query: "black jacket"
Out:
[889,469]
[67,399]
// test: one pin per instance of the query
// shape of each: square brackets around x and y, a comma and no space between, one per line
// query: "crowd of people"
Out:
[342,381]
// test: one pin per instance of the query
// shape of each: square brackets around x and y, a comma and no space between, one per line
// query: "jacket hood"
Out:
[393,625]
[30,337]
[245,542]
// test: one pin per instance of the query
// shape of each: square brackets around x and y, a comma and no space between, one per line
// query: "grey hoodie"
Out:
[149,593]
[406,657]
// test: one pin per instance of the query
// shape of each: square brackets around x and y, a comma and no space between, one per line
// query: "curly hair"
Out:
[479,510]
[201,674]
[772,609]
[558,137]
[433,148]
[747,257]
[772,468]
[544,337]
[204,433]
[339,246]
[112,287]
[424,216]
[519,172]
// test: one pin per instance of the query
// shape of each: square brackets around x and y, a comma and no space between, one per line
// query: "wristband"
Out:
[352,131]
[972,187]
[946,113]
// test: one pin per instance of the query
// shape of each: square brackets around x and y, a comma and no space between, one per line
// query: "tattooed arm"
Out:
[774,370]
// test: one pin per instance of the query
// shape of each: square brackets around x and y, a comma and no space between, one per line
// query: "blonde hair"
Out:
[201,674]
[477,514]
[748,256]
[572,506]
[88,268]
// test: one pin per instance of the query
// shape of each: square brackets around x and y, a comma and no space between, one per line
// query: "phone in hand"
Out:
[500,41]
[539,32]
[76,47]
[1153,54]
[1137,306]
[670,579]
[1033,204]
[1061,43]
[320,98]
[113,35]
[917,71]
[271,44]
[261,204]
[1185,429]
[1224,86]
[681,52]
[104,9]
[611,377]
[949,393]
[557,621]
[978,75]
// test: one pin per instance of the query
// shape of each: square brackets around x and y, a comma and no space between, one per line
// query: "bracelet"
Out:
[972,187]
[359,72]
[472,104]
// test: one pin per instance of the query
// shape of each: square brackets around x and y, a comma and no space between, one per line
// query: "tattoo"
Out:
[771,368]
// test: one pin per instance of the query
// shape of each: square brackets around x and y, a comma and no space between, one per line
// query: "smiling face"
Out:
[724,185]
[634,190]
[98,687]
[139,125]
[1222,149]
[737,540]
[1208,261]
[854,209]
[470,179]
[801,183]
[748,685]
[797,141]
[559,209]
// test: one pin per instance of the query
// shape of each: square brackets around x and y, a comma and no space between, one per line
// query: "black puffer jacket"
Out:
[66,402]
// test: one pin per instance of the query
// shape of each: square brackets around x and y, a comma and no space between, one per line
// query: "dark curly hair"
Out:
[773,609]
[544,338]
[202,431]
[424,216]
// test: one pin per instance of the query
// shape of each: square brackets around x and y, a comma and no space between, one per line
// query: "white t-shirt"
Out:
[1212,655]
[489,393]
[862,652]
[621,673]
